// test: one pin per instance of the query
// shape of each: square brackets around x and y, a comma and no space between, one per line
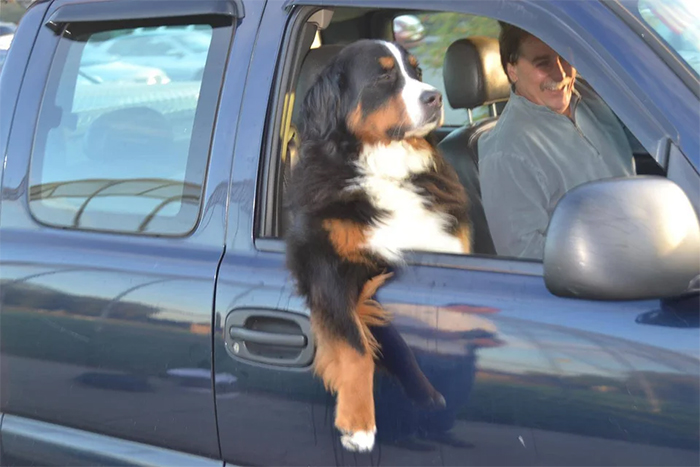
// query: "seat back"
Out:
[473,77]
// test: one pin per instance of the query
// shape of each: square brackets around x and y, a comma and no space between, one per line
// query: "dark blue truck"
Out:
[147,317]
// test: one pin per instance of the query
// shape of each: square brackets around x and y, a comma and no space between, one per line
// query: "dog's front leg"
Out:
[348,370]
[350,374]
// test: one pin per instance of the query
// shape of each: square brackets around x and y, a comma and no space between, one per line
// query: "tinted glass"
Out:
[120,144]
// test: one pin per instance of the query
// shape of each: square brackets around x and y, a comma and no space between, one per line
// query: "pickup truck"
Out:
[147,317]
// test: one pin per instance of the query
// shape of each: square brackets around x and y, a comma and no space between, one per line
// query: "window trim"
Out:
[267,217]
[494,264]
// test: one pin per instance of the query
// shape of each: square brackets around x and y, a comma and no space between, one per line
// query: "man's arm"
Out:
[515,201]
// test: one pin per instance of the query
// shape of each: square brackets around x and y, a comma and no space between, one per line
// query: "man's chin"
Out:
[561,105]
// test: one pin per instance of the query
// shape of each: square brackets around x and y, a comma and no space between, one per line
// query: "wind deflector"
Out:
[142,9]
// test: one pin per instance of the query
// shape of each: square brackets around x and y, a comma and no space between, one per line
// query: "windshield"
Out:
[677,22]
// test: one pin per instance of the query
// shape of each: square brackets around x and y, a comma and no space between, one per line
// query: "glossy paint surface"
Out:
[104,332]
[112,334]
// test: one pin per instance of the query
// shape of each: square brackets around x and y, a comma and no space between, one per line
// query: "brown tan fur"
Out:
[347,372]
[373,127]
[464,233]
[348,239]
[421,144]
[387,63]
[413,61]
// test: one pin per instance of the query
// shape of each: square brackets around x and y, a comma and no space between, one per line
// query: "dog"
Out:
[366,188]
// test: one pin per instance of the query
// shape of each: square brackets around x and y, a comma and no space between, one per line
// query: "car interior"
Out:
[472,78]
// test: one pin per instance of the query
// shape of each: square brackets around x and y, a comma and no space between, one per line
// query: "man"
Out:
[549,139]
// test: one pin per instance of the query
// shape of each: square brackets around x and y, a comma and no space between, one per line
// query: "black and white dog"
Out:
[367,187]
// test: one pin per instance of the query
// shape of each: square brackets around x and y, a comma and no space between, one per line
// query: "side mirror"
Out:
[623,239]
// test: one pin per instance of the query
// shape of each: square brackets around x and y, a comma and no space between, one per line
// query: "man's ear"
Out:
[512,72]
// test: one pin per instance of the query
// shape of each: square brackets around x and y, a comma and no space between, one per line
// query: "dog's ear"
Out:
[322,109]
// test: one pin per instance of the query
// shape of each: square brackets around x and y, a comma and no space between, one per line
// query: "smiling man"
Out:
[553,135]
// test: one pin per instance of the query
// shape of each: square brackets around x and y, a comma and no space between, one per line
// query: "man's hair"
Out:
[509,41]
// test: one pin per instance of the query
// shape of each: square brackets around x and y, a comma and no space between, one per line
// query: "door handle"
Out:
[269,337]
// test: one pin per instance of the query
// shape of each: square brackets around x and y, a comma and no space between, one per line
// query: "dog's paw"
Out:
[360,441]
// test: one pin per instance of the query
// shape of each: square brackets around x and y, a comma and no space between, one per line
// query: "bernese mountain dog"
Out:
[367,187]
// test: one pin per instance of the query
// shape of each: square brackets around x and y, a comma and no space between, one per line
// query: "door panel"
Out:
[109,332]
[527,364]
[102,338]
[528,378]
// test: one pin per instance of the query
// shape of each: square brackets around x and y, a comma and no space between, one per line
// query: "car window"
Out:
[195,42]
[128,46]
[116,144]
[157,46]
[678,24]
[428,35]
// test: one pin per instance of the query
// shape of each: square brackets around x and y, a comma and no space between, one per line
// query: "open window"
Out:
[459,55]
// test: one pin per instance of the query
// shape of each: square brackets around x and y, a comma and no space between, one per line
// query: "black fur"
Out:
[328,150]
[326,166]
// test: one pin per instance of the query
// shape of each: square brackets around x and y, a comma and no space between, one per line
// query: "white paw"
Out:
[361,441]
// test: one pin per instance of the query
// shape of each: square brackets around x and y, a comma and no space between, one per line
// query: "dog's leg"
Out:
[349,374]
[398,359]
[348,371]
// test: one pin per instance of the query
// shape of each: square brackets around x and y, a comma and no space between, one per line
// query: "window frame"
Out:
[100,17]
[647,124]
[269,191]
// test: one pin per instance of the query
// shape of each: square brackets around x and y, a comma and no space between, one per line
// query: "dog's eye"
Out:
[419,73]
[385,77]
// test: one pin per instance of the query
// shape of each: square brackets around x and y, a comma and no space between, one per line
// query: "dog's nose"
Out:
[431,98]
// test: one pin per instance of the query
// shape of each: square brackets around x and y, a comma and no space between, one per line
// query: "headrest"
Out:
[315,61]
[473,73]
[133,132]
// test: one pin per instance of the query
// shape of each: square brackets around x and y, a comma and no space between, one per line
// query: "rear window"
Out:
[123,135]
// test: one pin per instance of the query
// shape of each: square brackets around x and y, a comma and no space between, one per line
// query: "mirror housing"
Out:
[623,239]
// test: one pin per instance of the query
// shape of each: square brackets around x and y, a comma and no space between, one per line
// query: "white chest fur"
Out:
[409,225]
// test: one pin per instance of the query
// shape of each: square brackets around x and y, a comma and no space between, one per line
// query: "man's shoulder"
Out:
[508,134]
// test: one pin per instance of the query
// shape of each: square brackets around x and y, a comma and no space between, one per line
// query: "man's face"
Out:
[542,76]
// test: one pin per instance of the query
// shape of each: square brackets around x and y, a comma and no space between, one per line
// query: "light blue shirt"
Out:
[534,155]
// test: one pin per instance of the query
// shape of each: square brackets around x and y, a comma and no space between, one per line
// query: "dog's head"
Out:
[373,90]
